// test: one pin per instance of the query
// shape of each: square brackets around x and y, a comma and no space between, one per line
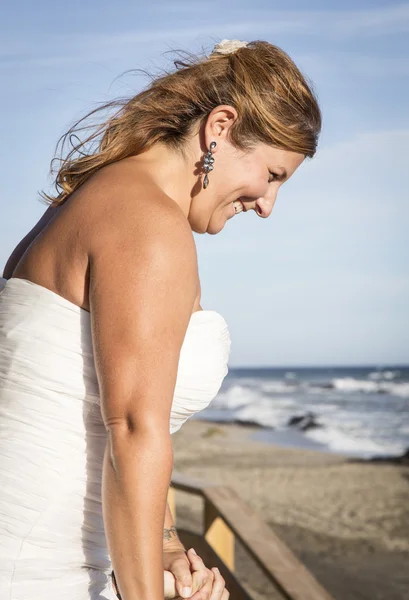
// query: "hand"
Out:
[187,570]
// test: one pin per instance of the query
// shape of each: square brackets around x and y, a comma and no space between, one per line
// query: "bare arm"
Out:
[143,284]
[170,535]
[170,538]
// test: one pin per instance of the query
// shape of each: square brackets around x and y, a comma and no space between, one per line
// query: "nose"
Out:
[263,206]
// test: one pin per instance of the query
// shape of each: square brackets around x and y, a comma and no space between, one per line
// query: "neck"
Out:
[178,176]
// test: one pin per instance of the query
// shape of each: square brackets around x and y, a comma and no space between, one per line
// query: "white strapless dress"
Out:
[52,440]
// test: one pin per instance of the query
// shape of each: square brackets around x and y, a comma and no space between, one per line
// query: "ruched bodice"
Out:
[52,439]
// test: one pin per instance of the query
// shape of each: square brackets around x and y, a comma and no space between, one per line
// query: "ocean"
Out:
[360,412]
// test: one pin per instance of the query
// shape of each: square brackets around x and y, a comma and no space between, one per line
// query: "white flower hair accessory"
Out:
[228,47]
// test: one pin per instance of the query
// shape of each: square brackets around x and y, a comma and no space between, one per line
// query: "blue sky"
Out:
[324,280]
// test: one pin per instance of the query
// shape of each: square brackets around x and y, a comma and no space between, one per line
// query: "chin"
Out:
[211,224]
[214,228]
[214,231]
[211,227]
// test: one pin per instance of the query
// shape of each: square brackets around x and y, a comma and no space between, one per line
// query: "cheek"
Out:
[255,185]
[254,179]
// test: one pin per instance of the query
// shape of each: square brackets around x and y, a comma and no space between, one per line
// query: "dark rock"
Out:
[326,386]
[304,422]
[403,459]
[247,423]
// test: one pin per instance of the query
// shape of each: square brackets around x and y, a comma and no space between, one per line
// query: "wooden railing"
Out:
[227,518]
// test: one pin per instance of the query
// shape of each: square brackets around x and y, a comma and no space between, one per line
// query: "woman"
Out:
[105,349]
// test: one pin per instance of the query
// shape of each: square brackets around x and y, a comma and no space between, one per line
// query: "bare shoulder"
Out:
[136,221]
[141,250]
[143,285]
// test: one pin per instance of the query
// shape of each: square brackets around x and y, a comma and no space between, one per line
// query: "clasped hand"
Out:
[186,576]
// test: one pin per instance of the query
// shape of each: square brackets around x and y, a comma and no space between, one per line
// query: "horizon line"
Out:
[326,366]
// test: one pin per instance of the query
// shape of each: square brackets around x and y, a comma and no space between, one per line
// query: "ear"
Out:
[218,124]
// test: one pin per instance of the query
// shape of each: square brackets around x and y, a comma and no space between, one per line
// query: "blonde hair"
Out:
[275,105]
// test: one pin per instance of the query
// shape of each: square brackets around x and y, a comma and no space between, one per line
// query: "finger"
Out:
[195,560]
[180,569]
[202,584]
[169,586]
[219,591]
[202,576]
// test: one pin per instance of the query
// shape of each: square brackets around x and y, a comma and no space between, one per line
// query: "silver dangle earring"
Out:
[208,164]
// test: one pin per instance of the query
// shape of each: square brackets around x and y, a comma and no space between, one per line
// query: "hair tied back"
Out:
[228,47]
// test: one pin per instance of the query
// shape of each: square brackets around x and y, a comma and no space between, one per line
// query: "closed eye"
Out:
[277,176]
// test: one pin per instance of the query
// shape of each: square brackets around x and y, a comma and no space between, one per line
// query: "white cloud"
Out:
[76,47]
[361,182]
[329,23]
[325,278]
[348,65]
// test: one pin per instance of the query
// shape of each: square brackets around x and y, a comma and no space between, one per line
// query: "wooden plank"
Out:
[275,558]
[219,535]
[172,502]
[211,559]
[185,483]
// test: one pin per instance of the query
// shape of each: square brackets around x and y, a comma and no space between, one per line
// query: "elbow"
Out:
[131,425]
[144,441]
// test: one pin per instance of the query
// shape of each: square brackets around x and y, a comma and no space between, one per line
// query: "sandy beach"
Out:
[347,521]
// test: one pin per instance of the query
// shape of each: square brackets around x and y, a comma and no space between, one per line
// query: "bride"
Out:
[105,349]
